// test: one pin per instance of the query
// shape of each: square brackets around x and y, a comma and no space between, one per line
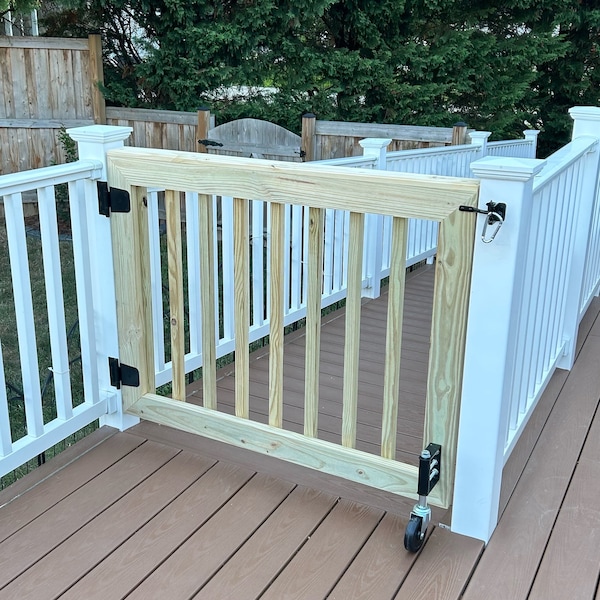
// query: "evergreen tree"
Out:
[498,66]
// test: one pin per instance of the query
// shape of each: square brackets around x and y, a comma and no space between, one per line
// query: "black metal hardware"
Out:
[430,463]
[496,213]
[121,374]
[112,200]
[209,143]
[429,468]
[496,209]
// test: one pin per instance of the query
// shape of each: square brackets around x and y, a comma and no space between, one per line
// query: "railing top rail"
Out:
[357,190]
[464,149]
[25,181]
[563,158]
[510,143]
[349,161]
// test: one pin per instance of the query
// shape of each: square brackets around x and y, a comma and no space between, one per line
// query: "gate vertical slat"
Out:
[241,273]
[393,342]
[352,335]
[176,310]
[208,300]
[276,315]
[313,320]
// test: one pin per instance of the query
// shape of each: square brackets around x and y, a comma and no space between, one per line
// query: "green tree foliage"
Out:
[498,65]
[17,6]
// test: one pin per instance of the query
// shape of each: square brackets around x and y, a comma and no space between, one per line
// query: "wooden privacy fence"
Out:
[46,84]
[319,140]
[323,140]
[358,190]
[254,138]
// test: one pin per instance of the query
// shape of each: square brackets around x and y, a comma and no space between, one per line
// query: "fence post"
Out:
[309,123]
[93,142]
[531,135]
[373,249]
[97,77]
[496,289]
[480,138]
[202,129]
[459,133]
[586,123]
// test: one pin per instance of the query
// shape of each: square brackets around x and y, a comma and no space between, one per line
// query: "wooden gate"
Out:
[251,138]
[360,191]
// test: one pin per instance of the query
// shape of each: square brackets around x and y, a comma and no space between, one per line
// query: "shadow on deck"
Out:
[154,512]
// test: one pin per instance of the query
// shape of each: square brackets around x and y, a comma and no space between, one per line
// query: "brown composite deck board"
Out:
[443,568]
[380,567]
[44,494]
[518,543]
[520,455]
[124,569]
[59,570]
[201,556]
[316,568]
[33,541]
[571,563]
[51,467]
[254,566]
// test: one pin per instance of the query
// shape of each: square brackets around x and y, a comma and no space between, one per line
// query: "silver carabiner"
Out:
[492,218]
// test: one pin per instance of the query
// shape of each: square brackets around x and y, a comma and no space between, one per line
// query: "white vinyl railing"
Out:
[530,288]
[529,291]
[540,332]
[49,417]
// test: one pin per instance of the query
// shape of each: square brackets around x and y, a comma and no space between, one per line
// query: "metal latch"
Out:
[496,214]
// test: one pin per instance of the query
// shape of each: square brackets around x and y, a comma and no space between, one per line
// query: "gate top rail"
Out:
[357,190]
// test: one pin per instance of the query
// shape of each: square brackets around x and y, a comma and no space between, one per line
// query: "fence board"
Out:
[47,83]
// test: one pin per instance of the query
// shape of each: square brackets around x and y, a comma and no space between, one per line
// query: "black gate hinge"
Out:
[112,200]
[121,374]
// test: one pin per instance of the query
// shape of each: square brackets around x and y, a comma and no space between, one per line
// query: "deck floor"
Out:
[156,513]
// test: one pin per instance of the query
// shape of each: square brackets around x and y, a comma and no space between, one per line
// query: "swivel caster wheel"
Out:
[413,537]
[429,475]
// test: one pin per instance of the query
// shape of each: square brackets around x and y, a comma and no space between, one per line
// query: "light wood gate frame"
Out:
[358,190]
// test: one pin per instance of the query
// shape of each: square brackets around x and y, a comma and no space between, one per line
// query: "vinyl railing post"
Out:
[531,135]
[480,138]
[586,123]
[93,143]
[376,148]
[496,290]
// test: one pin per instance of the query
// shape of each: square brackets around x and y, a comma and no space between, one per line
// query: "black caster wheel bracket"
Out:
[420,516]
